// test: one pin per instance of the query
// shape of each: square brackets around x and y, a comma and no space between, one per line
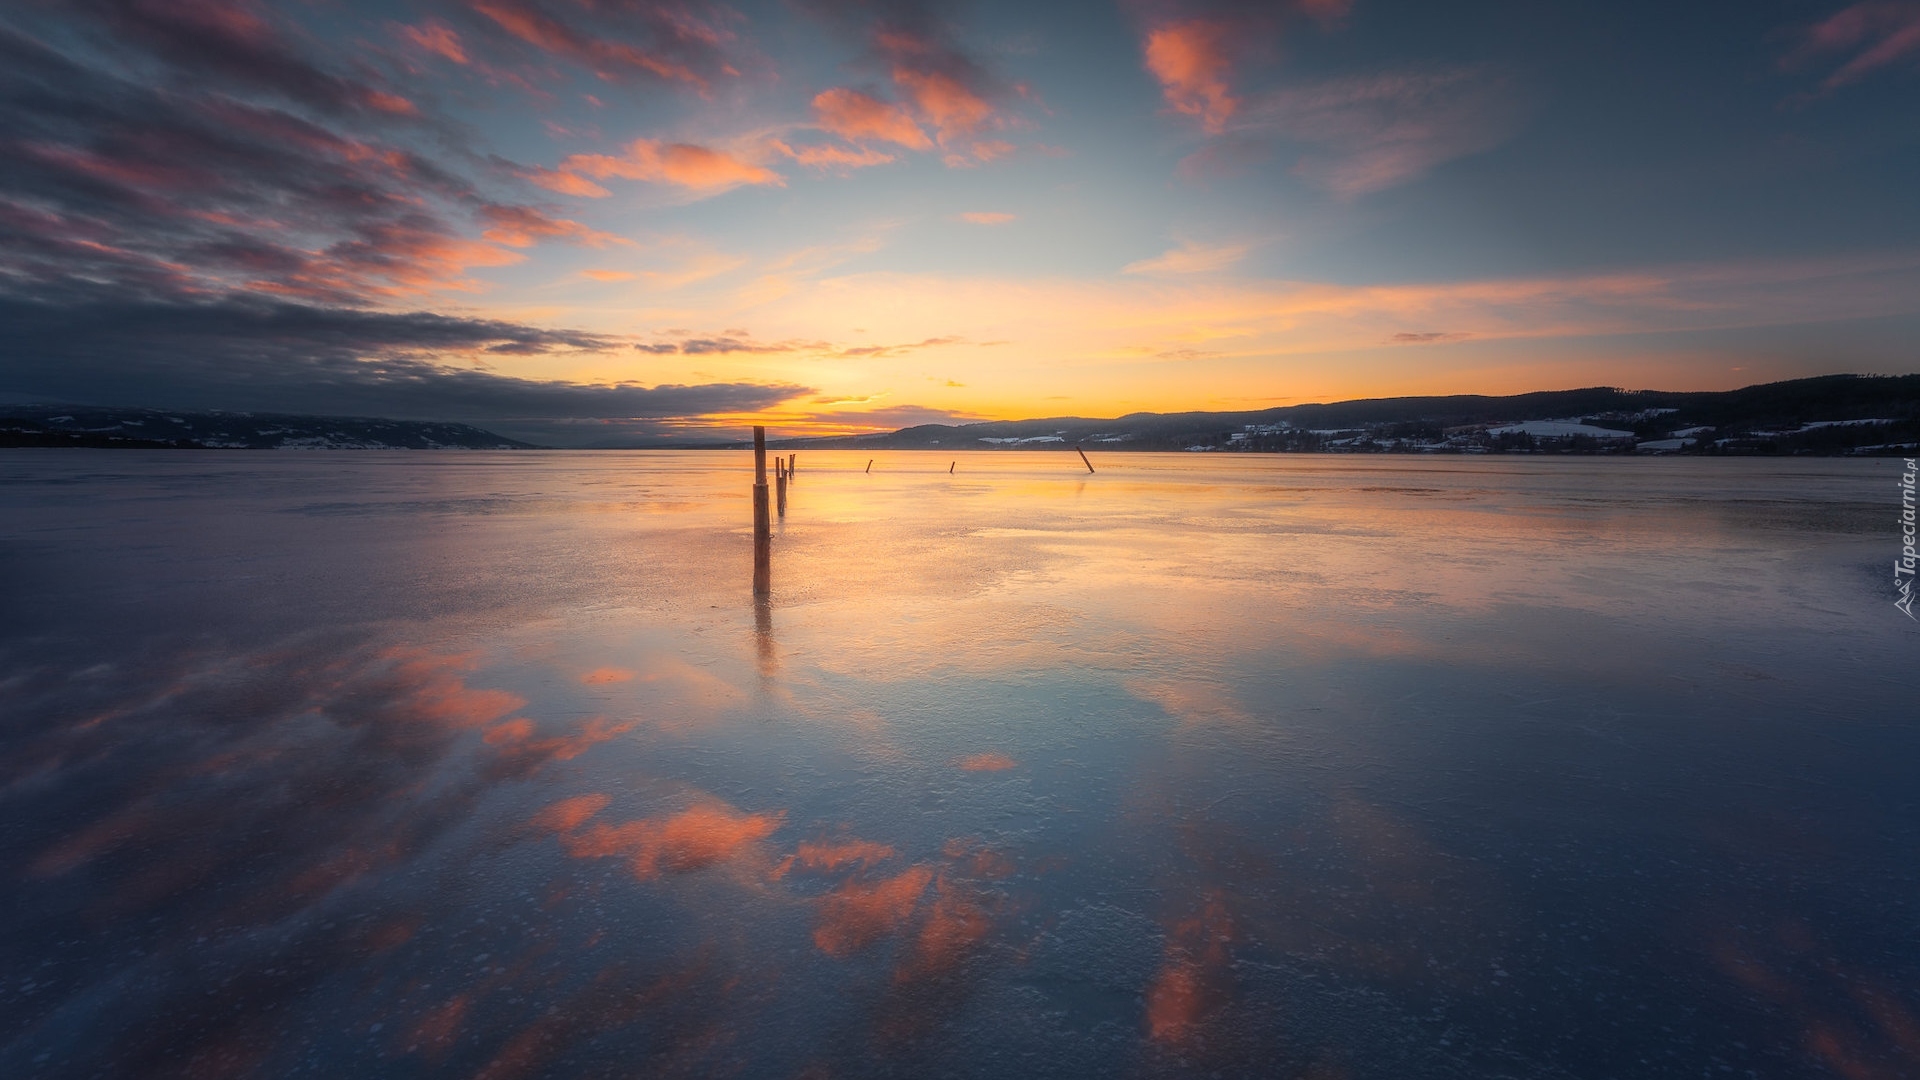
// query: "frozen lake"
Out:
[473,764]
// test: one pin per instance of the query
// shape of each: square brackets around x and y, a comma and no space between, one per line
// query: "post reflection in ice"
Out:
[765,648]
[1161,775]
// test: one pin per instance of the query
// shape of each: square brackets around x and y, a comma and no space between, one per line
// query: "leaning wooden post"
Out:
[950,466]
[869,464]
[1083,458]
[762,521]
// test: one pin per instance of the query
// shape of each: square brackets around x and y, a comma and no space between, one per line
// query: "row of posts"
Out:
[762,515]
[762,518]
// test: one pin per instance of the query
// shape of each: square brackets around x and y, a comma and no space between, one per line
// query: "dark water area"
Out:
[490,765]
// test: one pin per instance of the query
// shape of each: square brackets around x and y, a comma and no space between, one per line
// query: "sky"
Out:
[617,222]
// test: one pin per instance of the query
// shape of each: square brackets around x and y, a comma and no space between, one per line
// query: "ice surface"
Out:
[360,764]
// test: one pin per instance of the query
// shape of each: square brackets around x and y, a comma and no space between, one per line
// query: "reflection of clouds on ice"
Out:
[1138,774]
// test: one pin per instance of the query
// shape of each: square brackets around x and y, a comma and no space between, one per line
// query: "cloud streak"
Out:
[672,42]
[738,344]
[1375,132]
[1190,258]
[1870,36]
[701,170]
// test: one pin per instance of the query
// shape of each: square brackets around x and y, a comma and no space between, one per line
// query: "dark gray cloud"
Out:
[274,355]
[233,45]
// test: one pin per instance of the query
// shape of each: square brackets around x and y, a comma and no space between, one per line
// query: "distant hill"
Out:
[53,425]
[1828,414]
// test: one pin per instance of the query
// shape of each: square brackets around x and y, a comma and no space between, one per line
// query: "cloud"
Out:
[726,345]
[885,418]
[699,169]
[941,86]
[277,356]
[607,275]
[1190,258]
[737,343]
[1877,34]
[986,217]
[1359,134]
[877,351]
[675,42]
[953,108]
[566,183]
[227,44]
[1190,60]
[836,158]
[1192,48]
[1426,337]
[859,117]
[1370,133]
[523,226]
[436,38]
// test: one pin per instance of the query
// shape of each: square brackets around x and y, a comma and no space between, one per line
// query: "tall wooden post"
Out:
[792,459]
[762,521]
[780,487]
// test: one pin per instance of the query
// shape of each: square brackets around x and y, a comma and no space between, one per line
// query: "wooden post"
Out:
[780,492]
[869,464]
[762,521]
[1083,458]
[950,467]
[792,459]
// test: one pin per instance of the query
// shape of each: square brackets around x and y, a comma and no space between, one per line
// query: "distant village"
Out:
[1642,432]
[1647,431]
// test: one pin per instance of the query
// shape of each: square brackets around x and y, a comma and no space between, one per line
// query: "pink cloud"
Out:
[523,226]
[1190,60]
[853,115]
[682,36]
[566,183]
[391,103]
[946,99]
[438,39]
[696,168]
[986,217]
[953,109]
[833,157]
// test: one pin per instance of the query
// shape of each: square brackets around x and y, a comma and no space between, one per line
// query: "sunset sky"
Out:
[597,222]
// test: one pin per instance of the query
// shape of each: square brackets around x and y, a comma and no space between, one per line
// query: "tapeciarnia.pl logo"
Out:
[1904,564]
